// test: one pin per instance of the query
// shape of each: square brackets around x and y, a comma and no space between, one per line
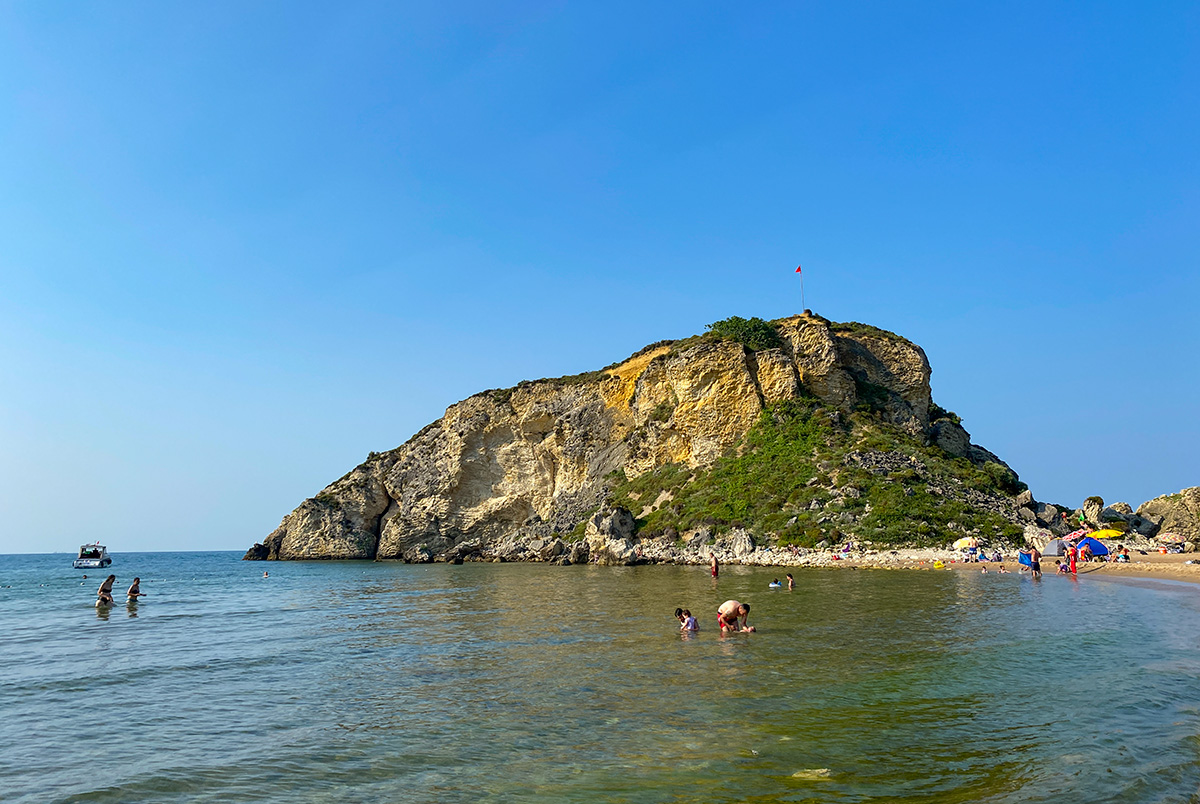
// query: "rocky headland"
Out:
[762,442]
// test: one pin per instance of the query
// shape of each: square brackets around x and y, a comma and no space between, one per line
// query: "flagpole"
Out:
[803,306]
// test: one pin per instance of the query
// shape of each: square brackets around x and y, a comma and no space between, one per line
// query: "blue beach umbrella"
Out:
[1097,547]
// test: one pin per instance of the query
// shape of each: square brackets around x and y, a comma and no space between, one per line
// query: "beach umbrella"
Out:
[1171,538]
[1075,534]
[1107,534]
[963,543]
[1096,547]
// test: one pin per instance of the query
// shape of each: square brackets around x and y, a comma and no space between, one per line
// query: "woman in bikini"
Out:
[104,593]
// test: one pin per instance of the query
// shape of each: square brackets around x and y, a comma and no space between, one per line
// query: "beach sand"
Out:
[1172,566]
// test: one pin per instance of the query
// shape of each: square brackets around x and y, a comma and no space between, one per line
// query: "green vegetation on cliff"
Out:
[805,472]
[753,333]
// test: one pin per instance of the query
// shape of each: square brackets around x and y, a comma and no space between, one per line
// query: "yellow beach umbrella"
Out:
[1107,534]
[962,543]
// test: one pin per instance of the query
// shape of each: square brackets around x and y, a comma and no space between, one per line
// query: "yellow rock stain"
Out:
[618,393]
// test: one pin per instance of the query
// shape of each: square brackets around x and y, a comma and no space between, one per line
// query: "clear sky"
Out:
[244,243]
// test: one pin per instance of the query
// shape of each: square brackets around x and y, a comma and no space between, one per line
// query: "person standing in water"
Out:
[730,612]
[1035,562]
[791,581]
[712,563]
[135,590]
[104,593]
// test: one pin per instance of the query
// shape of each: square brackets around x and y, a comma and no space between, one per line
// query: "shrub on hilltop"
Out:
[753,333]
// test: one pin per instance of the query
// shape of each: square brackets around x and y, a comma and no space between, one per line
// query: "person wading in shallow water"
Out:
[712,562]
[135,590]
[104,593]
[728,615]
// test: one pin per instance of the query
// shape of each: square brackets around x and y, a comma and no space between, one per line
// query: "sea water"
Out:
[377,682]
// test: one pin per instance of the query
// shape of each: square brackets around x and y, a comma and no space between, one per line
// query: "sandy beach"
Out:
[1172,566]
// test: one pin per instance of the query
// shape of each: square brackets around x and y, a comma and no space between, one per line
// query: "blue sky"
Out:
[246,243]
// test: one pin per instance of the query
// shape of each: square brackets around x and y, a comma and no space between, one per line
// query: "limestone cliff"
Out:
[1177,513]
[538,460]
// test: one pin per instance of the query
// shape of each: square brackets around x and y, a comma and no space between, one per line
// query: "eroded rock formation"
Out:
[532,462]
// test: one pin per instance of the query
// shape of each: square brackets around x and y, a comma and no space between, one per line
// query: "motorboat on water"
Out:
[92,556]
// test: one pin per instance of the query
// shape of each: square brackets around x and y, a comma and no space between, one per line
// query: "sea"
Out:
[386,682]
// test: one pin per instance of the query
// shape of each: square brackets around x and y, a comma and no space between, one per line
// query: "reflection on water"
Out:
[382,682]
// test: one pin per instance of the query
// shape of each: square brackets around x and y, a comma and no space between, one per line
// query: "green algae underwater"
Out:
[358,681]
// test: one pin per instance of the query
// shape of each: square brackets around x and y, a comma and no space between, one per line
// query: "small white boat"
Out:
[92,556]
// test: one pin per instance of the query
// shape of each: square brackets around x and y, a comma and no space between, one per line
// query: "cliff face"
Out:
[1177,513]
[538,459]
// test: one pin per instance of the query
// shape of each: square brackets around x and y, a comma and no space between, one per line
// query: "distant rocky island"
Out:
[753,439]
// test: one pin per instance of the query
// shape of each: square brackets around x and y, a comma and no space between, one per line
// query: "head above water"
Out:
[112,577]
[744,608]
[678,613]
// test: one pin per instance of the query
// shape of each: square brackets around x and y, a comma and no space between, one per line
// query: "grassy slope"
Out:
[797,453]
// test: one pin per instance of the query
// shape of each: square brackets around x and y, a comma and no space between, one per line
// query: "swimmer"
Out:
[1002,569]
[728,615]
[775,584]
[135,590]
[791,581]
[265,574]
[689,622]
[104,593]
[984,571]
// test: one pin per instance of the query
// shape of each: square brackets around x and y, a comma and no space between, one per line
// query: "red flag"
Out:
[797,269]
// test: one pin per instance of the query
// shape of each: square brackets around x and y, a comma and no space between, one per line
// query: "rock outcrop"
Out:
[1177,513]
[535,462]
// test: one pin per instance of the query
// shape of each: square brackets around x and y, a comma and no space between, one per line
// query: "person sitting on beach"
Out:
[104,593]
[1123,554]
[996,556]
[689,622]
[730,612]
[135,590]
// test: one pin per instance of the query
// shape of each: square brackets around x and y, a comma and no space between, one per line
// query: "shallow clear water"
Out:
[358,681]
